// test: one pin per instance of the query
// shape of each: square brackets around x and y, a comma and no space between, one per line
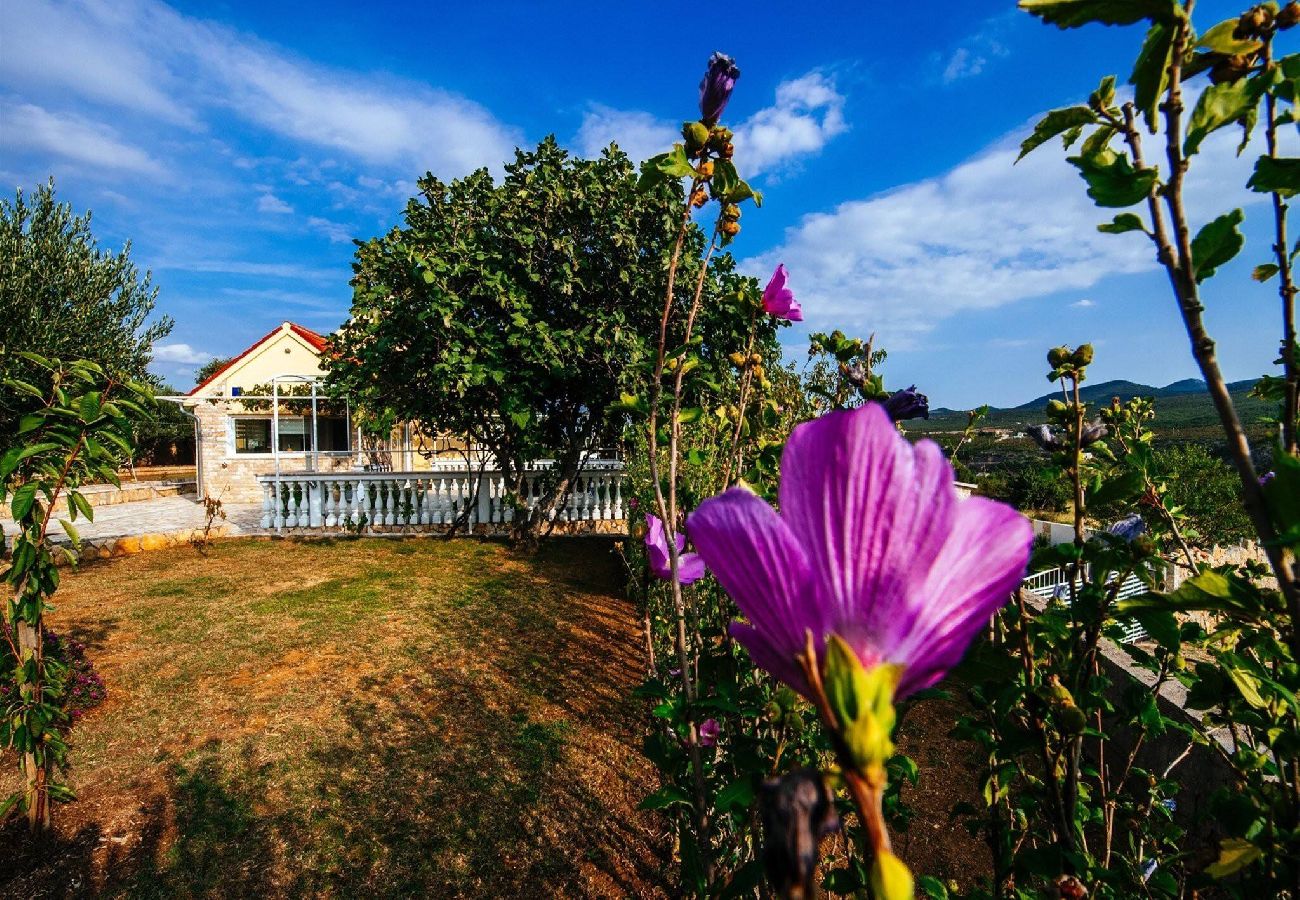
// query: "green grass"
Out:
[362,717]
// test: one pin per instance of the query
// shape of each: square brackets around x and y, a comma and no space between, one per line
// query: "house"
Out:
[238,436]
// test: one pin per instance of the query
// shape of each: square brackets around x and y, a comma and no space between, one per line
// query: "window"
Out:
[253,435]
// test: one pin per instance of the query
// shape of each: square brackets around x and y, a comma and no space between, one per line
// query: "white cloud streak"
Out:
[182,354]
[26,126]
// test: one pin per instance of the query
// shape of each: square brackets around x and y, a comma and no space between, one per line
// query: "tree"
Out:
[211,367]
[513,313]
[62,295]
[1208,492]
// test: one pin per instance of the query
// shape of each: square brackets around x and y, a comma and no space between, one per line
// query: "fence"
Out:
[1054,584]
[412,500]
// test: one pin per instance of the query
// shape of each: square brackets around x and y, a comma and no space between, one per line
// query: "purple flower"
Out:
[716,87]
[1266,478]
[779,299]
[689,565]
[632,503]
[872,544]
[709,731]
[1130,528]
[908,403]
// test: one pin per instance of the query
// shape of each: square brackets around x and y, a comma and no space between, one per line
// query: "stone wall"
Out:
[232,477]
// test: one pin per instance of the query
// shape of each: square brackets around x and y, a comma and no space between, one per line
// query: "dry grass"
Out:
[353,718]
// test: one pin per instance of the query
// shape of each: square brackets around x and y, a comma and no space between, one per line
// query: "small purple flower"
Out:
[908,403]
[1266,478]
[1130,528]
[716,87]
[709,731]
[872,544]
[779,299]
[689,565]
[632,503]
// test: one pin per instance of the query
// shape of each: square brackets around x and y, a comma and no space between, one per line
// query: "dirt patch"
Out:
[423,718]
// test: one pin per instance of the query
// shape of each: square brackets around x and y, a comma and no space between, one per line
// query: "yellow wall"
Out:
[284,354]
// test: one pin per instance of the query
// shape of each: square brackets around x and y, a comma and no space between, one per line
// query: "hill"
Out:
[1182,405]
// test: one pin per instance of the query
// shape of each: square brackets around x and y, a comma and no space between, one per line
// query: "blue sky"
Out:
[240,147]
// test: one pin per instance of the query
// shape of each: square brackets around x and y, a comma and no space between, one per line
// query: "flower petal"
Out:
[690,568]
[758,561]
[869,508]
[980,564]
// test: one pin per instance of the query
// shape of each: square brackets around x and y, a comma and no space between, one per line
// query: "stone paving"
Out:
[161,516]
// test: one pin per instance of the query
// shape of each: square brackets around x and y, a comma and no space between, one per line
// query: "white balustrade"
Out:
[352,500]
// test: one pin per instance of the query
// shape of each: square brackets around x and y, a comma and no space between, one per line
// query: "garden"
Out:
[812,665]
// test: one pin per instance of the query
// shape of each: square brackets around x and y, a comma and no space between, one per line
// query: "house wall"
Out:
[284,354]
[231,476]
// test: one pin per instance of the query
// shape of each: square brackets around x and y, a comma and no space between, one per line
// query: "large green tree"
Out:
[64,297]
[512,313]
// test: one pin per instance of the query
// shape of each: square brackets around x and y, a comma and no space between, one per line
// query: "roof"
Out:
[317,341]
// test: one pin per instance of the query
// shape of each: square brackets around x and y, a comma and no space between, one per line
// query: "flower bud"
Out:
[738,359]
[719,138]
[716,87]
[1056,409]
[1233,68]
[1058,356]
[1289,15]
[731,211]
[696,135]
[706,169]
[1082,356]
[890,878]
[727,150]
[699,198]
[730,228]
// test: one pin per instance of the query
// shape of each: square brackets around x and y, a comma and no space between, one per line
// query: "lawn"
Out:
[368,717]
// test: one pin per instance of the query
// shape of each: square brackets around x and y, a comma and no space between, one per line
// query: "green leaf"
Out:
[22,501]
[1122,223]
[1151,71]
[666,796]
[1234,855]
[1280,176]
[1058,121]
[1112,180]
[1264,271]
[1220,105]
[1163,627]
[689,415]
[1216,244]
[1219,39]
[1074,13]
[71,531]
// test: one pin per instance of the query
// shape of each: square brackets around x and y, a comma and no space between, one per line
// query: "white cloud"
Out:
[269,203]
[1084,303]
[808,113]
[291,271]
[639,134]
[979,49]
[336,232]
[984,235]
[108,52]
[143,56]
[29,127]
[179,353]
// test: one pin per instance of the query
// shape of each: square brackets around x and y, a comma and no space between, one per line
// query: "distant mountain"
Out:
[1184,403]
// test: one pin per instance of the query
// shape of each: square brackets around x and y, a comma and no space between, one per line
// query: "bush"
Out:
[83,687]
[1208,491]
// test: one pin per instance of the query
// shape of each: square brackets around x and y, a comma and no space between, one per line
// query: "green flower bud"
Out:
[696,135]
[1058,356]
[862,701]
[890,878]
[719,138]
[1082,356]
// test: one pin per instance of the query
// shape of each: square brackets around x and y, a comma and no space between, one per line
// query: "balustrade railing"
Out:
[430,499]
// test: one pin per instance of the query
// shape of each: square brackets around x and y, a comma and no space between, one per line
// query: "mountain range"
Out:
[1184,403]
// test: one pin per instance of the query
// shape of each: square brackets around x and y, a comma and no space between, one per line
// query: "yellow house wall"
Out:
[284,354]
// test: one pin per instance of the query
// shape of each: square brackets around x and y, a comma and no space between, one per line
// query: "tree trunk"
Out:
[36,794]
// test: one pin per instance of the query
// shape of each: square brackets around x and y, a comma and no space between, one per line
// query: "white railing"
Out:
[415,500]
[1054,584]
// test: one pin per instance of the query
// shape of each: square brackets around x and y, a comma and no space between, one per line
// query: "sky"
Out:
[241,147]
